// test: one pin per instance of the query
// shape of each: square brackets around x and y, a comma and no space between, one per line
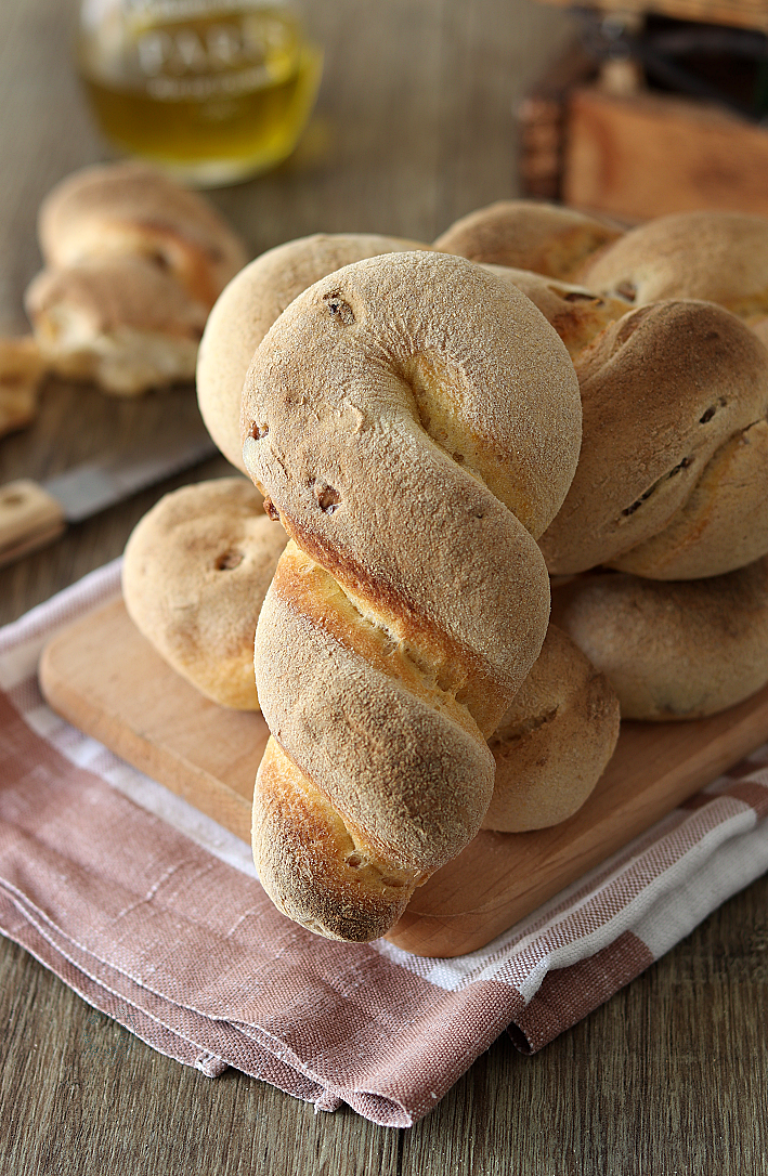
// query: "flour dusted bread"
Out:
[195,573]
[414,423]
[678,650]
[528,235]
[247,308]
[708,254]
[133,265]
[555,741]
[672,481]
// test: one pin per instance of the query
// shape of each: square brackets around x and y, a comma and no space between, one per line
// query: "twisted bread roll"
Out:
[672,650]
[246,310]
[672,481]
[120,322]
[528,235]
[711,255]
[414,423]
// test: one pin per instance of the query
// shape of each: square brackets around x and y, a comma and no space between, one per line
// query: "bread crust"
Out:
[528,235]
[554,742]
[409,418]
[121,322]
[129,208]
[678,650]
[672,479]
[133,265]
[195,572]
[247,308]
[712,255]
[577,314]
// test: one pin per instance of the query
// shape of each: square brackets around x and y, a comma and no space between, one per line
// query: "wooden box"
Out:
[749,14]
[648,154]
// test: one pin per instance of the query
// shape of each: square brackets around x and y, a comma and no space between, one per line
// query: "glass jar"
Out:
[211,91]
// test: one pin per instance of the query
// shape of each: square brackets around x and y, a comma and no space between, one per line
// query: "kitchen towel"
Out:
[154,914]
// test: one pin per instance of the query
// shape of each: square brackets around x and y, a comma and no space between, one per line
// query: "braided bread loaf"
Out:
[708,254]
[415,425]
[673,476]
[713,255]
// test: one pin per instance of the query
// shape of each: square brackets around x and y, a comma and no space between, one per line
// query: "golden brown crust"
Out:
[399,435]
[528,235]
[554,742]
[672,480]
[195,572]
[402,766]
[313,868]
[674,650]
[133,264]
[129,208]
[577,314]
[248,307]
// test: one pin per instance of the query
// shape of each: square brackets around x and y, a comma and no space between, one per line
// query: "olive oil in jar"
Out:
[210,90]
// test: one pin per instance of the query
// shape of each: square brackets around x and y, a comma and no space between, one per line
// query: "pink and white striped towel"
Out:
[154,914]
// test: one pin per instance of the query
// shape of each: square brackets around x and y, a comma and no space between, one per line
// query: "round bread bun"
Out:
[678,650]
[528,235]
[672,481]
[195,572]
[248,307]
[414,423]
[129,208]
[711,255]
[554,742]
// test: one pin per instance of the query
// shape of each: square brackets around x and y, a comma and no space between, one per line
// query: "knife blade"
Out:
[33,514]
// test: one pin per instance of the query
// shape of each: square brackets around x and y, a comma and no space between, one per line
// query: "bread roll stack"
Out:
[539,405]
[663,535]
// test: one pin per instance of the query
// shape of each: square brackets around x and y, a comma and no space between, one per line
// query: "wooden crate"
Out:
[748,14]
[648,154]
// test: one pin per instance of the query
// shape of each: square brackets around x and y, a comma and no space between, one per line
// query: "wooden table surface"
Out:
[414,127]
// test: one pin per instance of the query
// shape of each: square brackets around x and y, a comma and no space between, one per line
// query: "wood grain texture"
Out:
[651,154]
[139,708]
[415,126]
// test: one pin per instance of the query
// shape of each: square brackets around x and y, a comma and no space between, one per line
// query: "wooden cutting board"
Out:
[104,678]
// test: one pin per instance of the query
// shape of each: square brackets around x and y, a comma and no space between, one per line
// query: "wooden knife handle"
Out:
[29,518]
